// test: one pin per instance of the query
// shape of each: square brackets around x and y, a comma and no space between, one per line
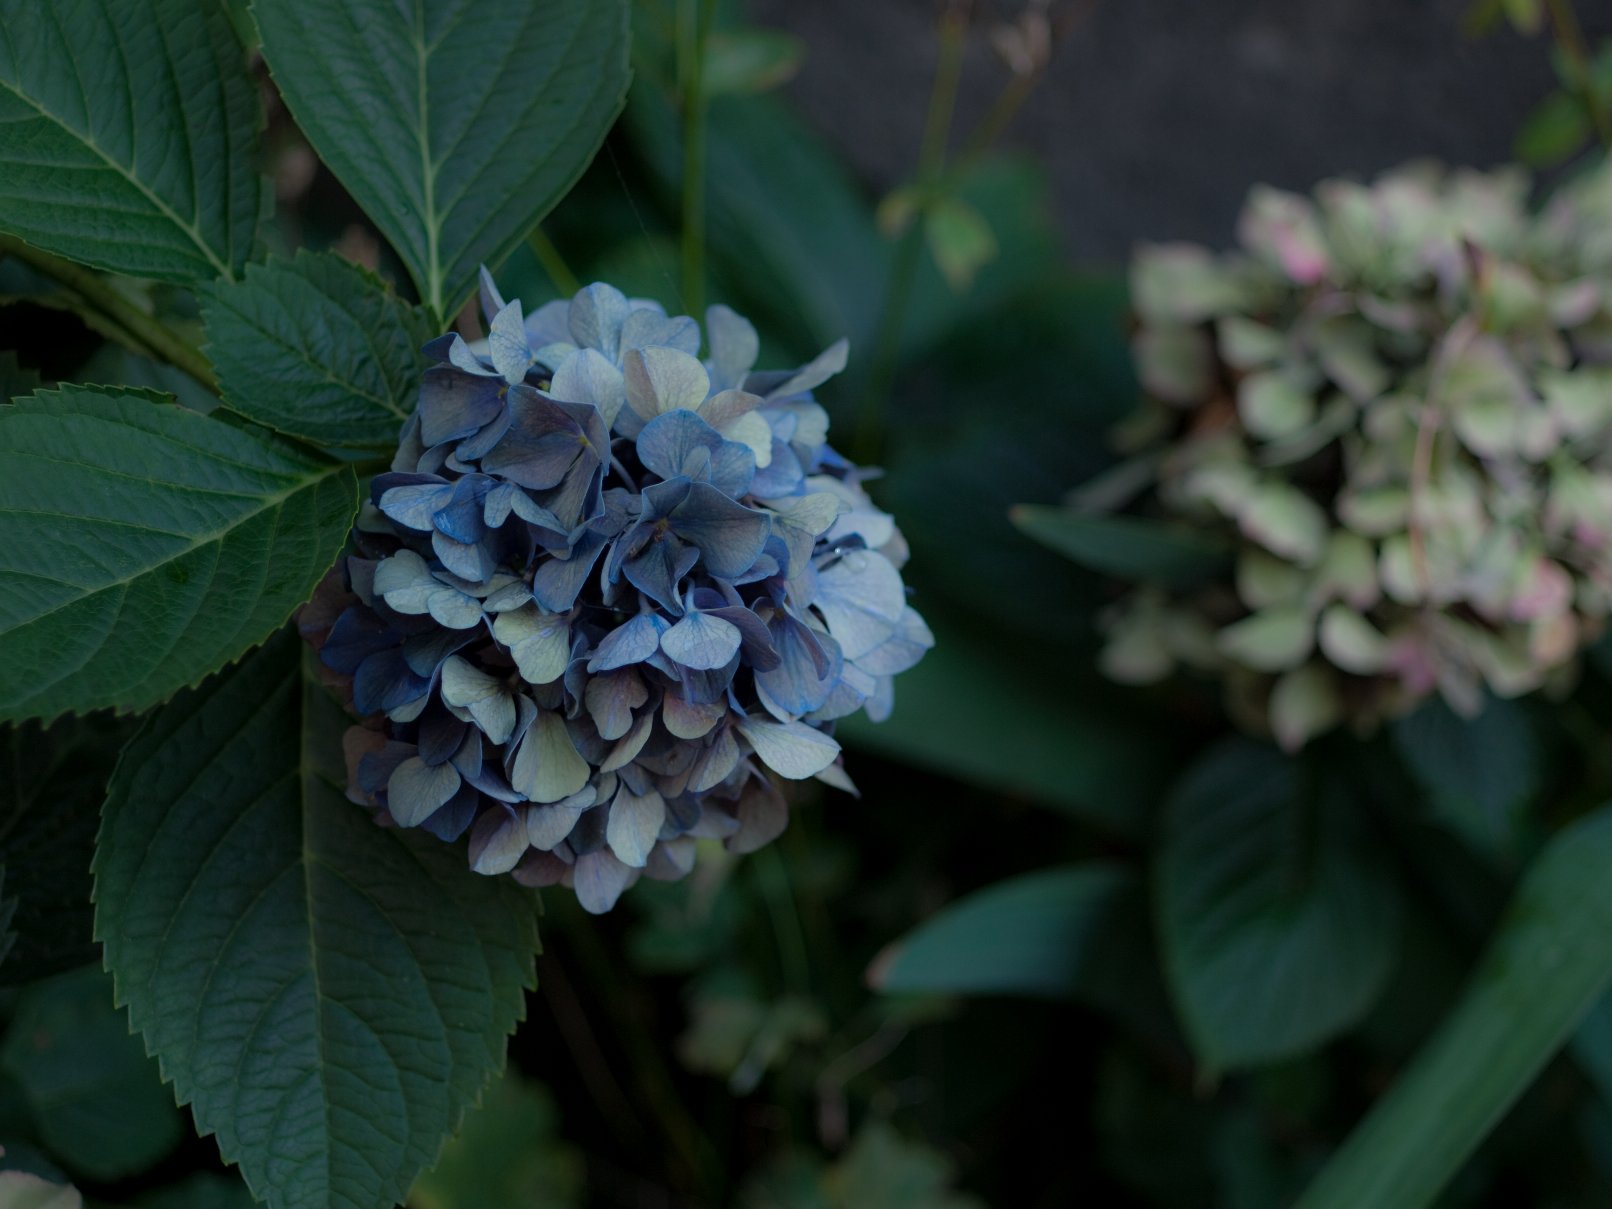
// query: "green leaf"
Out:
[145,546]
[785,216]
[966,712]
[1036,934]
[98,1102]
[1131,547]
[15,380]
[52,782]
[880,1171]
[317,348]
[508,1156]
[1546,965]
[128,129]
[960,240]
[455,124]
[328,996]
[1278,923]
[1553,131]
[1480,774]
[749,60]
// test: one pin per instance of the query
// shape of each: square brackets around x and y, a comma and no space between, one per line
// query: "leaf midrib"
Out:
[127,174]
[213,536]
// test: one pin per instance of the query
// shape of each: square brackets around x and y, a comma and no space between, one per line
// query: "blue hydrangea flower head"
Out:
[610,594]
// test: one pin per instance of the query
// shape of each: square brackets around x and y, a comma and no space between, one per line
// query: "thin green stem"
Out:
[559,273]
[1570,39]
[904,267]
[773,875]
[690,1147]
[694,19]
[98,294]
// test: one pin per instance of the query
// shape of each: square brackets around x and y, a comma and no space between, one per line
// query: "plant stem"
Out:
[560,274]
[694,18]
[1570,38]
[904,267]
[773,875]
[689,1146]
[97,293]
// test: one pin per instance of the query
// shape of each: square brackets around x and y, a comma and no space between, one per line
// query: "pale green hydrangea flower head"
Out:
[1393,403]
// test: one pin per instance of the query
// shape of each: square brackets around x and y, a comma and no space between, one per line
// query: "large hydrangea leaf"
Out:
[455,124]
[128,129]
[146,545]
[317,348]
[328,996]
[1279,926]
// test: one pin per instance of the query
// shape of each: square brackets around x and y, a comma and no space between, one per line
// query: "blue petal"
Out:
[647,326]
[540,445]
[791,749]
[549,324]
[808,667]
[596,315]
[487,292]
[758,649]
[633,642]
[558,581]
[416,790]
[385,682]
[357,634]
[611,699]
[729,536]
[734,347]
[506,343]
[460,516]
[701,641]
[586,377]
[454,404]
[473,561]
[414,505]
[681,443]
[659,568]
[453,819]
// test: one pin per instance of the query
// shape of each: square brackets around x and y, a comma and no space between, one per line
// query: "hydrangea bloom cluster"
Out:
[1394,404]
[608,591]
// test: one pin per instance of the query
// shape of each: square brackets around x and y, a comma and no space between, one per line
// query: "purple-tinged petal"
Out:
[454,405]
[701,641]
[416,790]
[599,878]
[497,841]
[540,445]
[763,815]
[728,535]
[558,581]
[611,699]
[791,749]
[688,719]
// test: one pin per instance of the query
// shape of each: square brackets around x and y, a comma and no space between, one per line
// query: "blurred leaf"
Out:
[1278,923]
[750,60]
[319,349]
[1131,547]
[204,1190]
[783,214]
[960,240]
[15,380]
[1480,773]
[21,1190]
[52,781]
[456,126]
[1011,196]
[1592,1047]
[1548,963]
[897,209]
[1553,131]
[98,1102]
[1035,934]
[737,1033]
[880,1171]
[971,712]
[507,1155]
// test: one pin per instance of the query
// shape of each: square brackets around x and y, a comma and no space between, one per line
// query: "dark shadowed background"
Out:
[1156,115]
